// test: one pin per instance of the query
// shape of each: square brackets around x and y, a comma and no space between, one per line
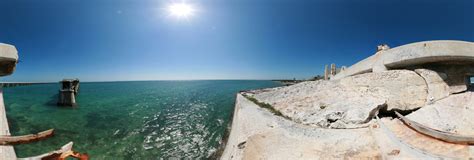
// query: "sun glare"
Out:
[180,10]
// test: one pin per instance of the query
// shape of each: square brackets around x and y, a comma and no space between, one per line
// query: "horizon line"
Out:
[278,79]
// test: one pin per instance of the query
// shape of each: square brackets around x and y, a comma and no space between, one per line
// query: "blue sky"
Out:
[111,40]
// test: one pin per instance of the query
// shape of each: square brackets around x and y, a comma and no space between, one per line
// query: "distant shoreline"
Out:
[288,82]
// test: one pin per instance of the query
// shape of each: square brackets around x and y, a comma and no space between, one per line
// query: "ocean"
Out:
[128,120]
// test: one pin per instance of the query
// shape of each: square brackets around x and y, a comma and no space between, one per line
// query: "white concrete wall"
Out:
[414,54]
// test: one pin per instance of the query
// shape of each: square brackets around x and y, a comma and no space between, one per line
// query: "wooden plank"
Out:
[11,140]
[61,154]
[438,134]
[63,149]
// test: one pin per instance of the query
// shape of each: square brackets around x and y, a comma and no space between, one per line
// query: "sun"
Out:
[181,10]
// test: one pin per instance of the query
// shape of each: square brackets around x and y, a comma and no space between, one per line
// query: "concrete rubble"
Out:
[352,115]
[365,94]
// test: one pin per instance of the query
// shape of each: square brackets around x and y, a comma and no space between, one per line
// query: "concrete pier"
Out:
[6,151]
[68,92]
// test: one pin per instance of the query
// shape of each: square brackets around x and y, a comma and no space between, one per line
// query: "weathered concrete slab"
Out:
[437,87]
[277,145]
[323,104]
[402,89]
[424,144]
[258,134]
[454,114]
[8,52]
[349,102]
[8,59]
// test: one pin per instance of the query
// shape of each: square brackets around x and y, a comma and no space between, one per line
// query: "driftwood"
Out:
[441,135]
[61,154]
[11,140]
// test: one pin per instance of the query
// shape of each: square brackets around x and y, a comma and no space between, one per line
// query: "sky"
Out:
[121,40]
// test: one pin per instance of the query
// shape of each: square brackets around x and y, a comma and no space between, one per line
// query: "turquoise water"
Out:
[128,120]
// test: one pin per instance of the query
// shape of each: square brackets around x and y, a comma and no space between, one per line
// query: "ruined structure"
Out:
[68,92]
[356,113]
[331,72]
[8,61]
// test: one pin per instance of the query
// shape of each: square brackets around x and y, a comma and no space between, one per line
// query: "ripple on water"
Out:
[184,125]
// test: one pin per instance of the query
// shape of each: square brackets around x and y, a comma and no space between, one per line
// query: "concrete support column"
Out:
[379,67]
[326,72]
[333,69]
[67,98]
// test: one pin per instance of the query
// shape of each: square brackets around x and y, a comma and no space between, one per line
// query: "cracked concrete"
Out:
[326,103]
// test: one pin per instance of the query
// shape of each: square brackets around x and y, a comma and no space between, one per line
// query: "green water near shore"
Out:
[128,120]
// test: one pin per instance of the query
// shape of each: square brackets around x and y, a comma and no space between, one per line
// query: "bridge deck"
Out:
[13,84]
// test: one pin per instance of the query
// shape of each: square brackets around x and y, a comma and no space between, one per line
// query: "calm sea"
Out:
[128,120]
